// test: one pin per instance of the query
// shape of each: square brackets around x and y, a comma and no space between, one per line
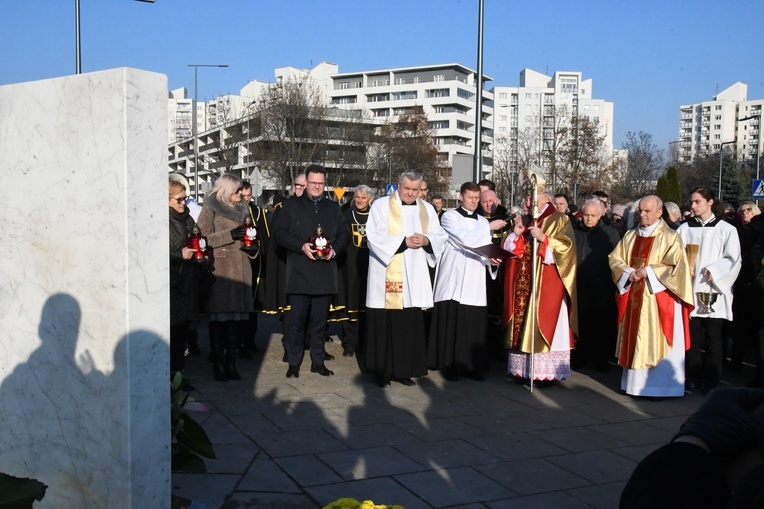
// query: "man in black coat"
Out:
[597,313]
[311,282]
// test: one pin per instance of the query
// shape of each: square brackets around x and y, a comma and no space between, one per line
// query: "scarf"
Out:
[394,273]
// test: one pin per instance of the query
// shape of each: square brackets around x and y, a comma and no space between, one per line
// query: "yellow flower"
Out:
[351,503]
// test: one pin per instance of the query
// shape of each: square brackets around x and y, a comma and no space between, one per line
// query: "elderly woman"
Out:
[230,302]
[353,266]
[184,291]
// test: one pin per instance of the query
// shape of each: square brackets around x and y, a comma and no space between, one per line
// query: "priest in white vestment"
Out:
[457,342]
[404,238]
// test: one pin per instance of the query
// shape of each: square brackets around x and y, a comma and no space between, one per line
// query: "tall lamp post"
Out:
[194,128]
[77,46]
[721,160]
[758,141]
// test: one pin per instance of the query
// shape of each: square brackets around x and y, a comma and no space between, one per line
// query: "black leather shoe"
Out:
[321,370]
[293,372]
[348,352]
[383,382]
[328,356]
[408,382]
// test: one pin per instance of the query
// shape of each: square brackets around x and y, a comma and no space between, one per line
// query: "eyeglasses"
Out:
[315,183]
[299,186]
[180,200]
[746,209]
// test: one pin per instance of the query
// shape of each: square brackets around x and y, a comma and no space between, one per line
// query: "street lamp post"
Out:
[194,128]
[77,46]
[721,160]
[758,141]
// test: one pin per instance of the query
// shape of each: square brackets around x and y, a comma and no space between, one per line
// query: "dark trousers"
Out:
[353,333]
[178,338]
[705,356]
[318,308]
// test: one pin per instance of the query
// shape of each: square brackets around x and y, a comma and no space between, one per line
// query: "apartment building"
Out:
[446,93]
[526,116]
[729,119]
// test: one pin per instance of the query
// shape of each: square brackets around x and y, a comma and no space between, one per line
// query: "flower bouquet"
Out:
[351,503]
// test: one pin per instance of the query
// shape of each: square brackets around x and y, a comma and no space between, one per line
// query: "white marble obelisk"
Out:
[84,305]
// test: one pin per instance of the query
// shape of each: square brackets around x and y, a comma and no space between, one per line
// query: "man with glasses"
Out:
[311,283]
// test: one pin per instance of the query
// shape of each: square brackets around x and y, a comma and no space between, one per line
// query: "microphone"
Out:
[512,216]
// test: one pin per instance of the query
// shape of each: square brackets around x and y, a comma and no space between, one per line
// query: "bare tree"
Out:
[290,125]
[645,162]
[410,143]
[582,158]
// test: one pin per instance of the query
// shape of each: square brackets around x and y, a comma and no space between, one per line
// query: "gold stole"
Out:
[394,273]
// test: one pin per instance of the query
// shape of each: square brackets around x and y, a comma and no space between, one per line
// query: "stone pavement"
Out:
[305,442]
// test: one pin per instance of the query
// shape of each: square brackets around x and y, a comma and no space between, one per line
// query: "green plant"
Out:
[19,493]
[190,443]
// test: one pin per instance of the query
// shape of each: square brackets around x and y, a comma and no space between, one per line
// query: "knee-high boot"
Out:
[232,330]
[217,342]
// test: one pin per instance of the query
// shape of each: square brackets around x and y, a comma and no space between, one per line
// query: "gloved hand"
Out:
[726,422]
[238,232]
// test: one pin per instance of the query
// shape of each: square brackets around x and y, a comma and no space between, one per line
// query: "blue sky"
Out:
[647,57]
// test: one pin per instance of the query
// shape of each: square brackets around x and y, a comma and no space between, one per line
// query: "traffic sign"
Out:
[391,188]
[758,188]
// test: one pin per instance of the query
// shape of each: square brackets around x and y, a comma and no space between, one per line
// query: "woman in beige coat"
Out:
[228,306]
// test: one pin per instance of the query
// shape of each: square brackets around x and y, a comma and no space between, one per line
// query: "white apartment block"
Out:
[446,93]
[730,118]
[540,103]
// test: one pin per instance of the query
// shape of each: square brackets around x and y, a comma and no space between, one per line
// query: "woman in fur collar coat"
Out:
[229,304]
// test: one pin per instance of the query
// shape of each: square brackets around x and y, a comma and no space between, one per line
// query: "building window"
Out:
[438,92]
[527,95]
[400,81]
[717,117]
[344,85]
[439,124]
[718,107]
[502,129]
[502,95]
[440,109]
[376,83]
[503,118]
[439,77]
[464,94]
[417,79]
[402,96]
[717,126]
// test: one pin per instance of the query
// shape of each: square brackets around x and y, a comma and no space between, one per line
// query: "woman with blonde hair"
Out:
[230,302]
[184,290]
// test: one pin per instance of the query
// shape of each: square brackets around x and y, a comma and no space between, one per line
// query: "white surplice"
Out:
[417,288]
[460,275]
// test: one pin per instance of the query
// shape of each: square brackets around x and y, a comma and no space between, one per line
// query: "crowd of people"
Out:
[543,286]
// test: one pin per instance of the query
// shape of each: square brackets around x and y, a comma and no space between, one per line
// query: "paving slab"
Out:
[453,486]
[472,445]
[532,476]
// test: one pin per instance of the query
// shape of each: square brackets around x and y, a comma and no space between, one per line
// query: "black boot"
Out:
[217,338]
[232,344]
